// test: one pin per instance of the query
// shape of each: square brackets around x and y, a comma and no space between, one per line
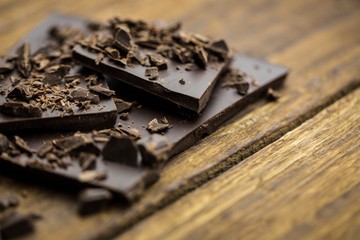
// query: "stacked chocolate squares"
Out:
[107,105]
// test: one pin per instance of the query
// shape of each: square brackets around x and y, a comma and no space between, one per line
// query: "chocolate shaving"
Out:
[122,105]
[4,143]
[22,145]
[44,149]
[92,175]
[158,61]
[191,67]
[102,91]
[122,40]
[87,161]
[20,109]
[155,127]
[272,95]
[82,94]
[75,145]
[23,60]
[201,57]
[151,73]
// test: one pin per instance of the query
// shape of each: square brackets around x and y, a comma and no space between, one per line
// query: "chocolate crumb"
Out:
[182,81]
[155,127]
[152,73]
[102,91]
[272,95]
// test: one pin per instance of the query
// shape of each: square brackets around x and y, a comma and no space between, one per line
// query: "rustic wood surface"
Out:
[306,185]
[319,42]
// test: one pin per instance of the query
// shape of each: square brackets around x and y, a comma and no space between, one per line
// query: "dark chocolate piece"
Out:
[154,126]
[92,200]
[121,150]
[147,56]
[23,60]
[14,225]
[122,105]
[272,95]
[154,149]
[36,93]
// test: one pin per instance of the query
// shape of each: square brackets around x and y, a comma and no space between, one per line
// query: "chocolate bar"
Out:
[224,102]
[162,60]
[41,87]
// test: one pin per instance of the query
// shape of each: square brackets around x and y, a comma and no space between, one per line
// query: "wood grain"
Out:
[306,185]
[321,46]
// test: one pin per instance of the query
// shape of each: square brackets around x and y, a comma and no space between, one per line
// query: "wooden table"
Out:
[283,170]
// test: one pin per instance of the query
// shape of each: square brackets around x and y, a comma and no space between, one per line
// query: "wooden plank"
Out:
[306,185]
[324,58]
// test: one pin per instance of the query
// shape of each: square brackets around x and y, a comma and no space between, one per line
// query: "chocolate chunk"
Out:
[92,200]
[113,53]
[83,94]
[220,48]
[152,73]
[124,116]
[122,105]
[131,132]
[182,81]
[155,127]
[122,40]
[191,67]
[102,90]
[75,145]
[23,60]
[242,87]
[15,225]
[4,143]
[154,149]
[87,161]
[201,57]
[22,145]
[122,150]
[44,149]
[56,74]
[20,109]
[92,175]
[272,95]
[20,93]
[158,61]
